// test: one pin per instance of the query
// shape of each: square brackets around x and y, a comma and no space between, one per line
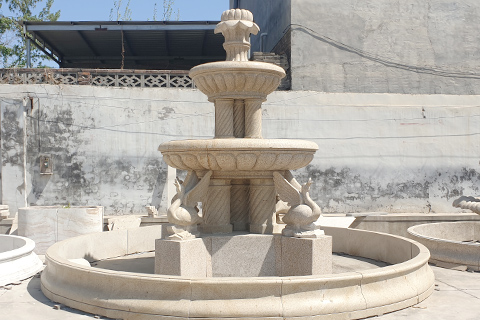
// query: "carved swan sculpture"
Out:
[183,212]
[303,210]
[471,203]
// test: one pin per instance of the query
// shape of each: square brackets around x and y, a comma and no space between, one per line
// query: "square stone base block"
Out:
[306,256]
[186,258]
[244,255]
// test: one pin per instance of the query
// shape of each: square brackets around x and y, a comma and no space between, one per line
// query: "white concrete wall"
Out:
[103,142]
[378,152]
[383,152]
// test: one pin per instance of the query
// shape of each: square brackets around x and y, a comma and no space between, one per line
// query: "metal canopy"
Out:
[161,45]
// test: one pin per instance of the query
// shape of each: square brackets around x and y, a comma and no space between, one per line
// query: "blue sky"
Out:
[95,10]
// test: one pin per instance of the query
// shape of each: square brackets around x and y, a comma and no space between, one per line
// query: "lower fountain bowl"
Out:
[17,259]
[127,295]
[450,243]
[238,154]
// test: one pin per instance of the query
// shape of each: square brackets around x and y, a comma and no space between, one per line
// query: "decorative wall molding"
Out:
[99,77]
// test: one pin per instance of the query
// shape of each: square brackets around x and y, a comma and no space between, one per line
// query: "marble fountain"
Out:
[452,244]
[233,261]
[18,260]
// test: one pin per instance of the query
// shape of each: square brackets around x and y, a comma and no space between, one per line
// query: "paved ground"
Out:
[457,295]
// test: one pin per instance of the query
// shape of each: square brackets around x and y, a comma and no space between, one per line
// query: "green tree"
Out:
[116,11]
[167,11]
[12,40]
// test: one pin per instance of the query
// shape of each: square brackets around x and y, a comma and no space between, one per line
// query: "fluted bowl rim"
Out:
[237,66]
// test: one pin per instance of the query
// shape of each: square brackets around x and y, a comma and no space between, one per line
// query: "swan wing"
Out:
[286,190]
[198,192]
[191,180]
[289,177]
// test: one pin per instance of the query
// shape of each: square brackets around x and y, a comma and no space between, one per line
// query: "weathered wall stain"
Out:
[124,182]
[12,138]
[342,189]
[13,154]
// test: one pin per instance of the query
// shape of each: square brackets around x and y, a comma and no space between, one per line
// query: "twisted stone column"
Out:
[253,118]
[239,205]
[216,210]
[224,118]
[262,197]
[239,118]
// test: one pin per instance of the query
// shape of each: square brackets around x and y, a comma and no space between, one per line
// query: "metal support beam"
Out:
[204,42]
[52,55]
[92,27]
[29,54]
[129,47]
[167,48]
[89,45]
[209,58]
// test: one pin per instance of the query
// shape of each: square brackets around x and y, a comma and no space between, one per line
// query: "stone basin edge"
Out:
[99,291]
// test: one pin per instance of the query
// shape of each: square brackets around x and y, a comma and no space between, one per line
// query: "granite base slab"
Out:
[244,255]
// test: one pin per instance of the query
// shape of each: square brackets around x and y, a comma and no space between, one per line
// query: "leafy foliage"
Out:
[168,11]
[12,40]
[116,11]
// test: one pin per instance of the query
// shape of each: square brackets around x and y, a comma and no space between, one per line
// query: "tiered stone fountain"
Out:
[241,193]
[208,272]
[241,175]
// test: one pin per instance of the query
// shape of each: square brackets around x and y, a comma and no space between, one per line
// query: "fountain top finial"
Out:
[236,26]
[237,14]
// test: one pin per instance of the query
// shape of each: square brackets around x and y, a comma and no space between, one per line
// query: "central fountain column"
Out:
[216,209]
[262,206]
[239,207]
[224,118]
[253,118]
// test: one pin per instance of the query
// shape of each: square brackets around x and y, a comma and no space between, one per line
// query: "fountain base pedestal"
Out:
[306,256]
[244,255]
[181,257]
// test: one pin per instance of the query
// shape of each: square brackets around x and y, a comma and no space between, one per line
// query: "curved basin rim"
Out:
[24,250]
[410,264]
[412,231]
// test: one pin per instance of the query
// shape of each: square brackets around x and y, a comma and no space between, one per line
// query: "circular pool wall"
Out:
[17,259]
[456,243]
[126,295]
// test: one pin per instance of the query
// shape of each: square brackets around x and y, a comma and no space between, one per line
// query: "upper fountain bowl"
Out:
[235,155]
[237,79]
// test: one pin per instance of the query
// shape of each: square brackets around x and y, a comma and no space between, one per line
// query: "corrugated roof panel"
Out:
[147,44]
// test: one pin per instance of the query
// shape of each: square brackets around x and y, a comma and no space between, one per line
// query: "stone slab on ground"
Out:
[47,225]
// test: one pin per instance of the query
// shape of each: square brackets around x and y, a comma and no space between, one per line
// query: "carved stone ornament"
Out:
[183,212]
[236,26]
[470,203]
[303,212]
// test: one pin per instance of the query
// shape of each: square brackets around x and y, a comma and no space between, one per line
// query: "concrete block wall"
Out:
[280,60]
[376,46]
